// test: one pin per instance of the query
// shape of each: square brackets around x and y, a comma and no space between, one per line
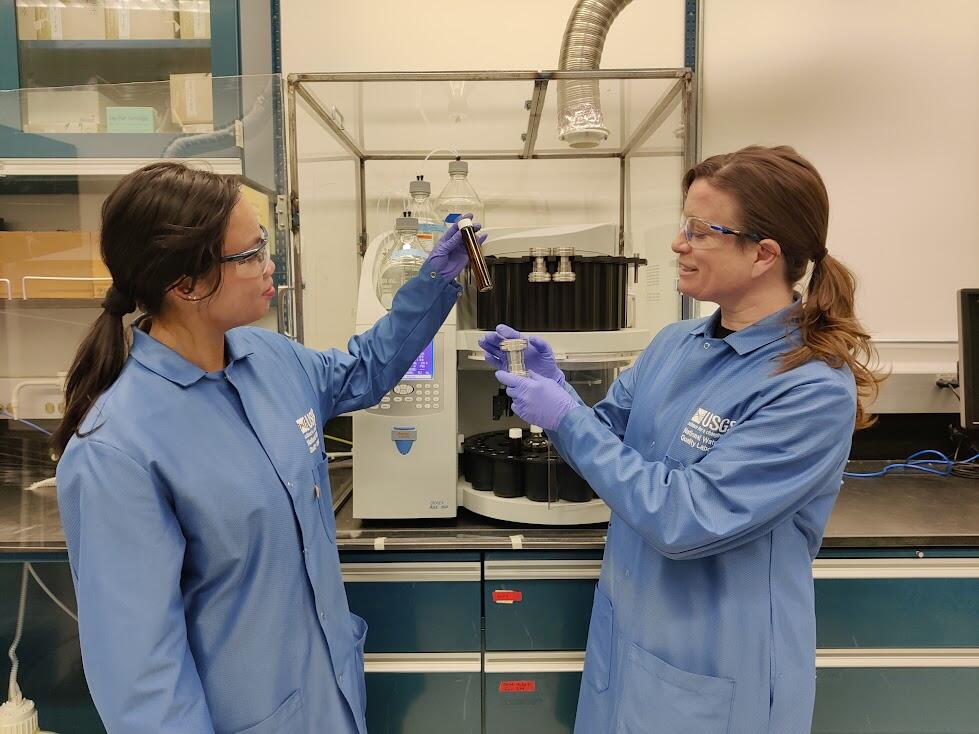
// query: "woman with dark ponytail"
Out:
[193,483]
[720,453]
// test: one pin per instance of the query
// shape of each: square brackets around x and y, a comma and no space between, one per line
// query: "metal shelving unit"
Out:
[680,93]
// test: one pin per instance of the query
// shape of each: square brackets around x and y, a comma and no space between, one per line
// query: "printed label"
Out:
[518,686]
[507,596]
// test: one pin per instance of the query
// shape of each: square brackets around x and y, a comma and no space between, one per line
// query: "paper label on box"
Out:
[57,28]
[200,24]
[191,98]
[125,25]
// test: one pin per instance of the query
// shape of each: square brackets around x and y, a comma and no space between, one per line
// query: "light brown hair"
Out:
[782,197]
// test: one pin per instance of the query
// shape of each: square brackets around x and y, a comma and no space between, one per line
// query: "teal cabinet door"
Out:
[896,701]
[532,692]
[423,693]
[538,603]
[416,603]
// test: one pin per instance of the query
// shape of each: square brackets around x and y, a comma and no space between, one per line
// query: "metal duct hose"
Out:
[580,122]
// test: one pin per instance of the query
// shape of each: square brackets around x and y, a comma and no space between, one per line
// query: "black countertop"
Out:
[901,510]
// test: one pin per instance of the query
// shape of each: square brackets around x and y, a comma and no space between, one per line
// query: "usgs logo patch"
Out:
[704,428]
[711,421]
[307,424]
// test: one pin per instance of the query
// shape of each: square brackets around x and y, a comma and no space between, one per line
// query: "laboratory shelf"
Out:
[19,146]
[126,44]
[104,166]
[20,304]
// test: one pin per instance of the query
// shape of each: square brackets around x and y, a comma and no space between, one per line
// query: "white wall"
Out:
[883,97]
[880,94]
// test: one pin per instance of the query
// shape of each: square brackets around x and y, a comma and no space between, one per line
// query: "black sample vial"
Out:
[476,261]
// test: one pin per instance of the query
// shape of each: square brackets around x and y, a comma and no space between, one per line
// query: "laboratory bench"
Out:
[479,625]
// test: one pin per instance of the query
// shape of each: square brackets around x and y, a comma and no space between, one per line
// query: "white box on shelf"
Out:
[61,108]
[195,18]
[52,128]
[80,20]
[26,22]
[191,99]
[153,19]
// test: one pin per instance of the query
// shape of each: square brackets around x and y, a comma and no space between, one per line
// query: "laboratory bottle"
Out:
[536,442]
[430,225]
[458,197]
[515,439]
[401,261]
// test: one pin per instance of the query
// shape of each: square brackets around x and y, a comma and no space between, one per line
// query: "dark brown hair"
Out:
[162,223]
[782,197]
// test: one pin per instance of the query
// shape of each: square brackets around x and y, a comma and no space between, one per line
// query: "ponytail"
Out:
[831,333]
[98,363]
[782,196]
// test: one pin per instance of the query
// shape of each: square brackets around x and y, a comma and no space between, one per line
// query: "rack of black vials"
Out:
[492,463]
[596,300]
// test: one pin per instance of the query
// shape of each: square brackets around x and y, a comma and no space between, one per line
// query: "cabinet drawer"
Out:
[899,603]
[423,693]
[532,692]
[896,701]
[416,605]
[538,604]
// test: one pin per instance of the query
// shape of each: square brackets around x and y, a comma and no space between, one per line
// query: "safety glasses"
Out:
[251,262]
[697,232]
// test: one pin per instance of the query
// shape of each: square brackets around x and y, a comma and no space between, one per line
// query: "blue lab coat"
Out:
[201,534]
[721,477]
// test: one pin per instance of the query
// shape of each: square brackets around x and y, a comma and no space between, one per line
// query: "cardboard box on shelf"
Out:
[130,120]
[80,20]
[58,256]
[64,110]
[146,20]
[195,18]
[191,99]
[26,23]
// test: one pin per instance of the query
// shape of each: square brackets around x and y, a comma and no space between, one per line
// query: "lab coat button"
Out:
[706,345]
[322,615]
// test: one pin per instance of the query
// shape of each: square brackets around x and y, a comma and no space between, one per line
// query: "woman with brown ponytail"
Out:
[720,453]
[193,484]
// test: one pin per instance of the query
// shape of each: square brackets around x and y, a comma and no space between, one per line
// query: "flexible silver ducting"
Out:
[580,122]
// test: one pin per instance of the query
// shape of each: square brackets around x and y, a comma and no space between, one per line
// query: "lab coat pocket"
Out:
[324,497]
[598,650]
[285,718]
[657,697]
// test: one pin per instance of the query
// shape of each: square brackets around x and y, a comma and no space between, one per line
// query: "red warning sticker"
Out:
[518,686]
[507,596]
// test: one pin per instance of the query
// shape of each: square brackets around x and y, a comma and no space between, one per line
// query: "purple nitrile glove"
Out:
[538,357]
[538,400]
[449,256]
